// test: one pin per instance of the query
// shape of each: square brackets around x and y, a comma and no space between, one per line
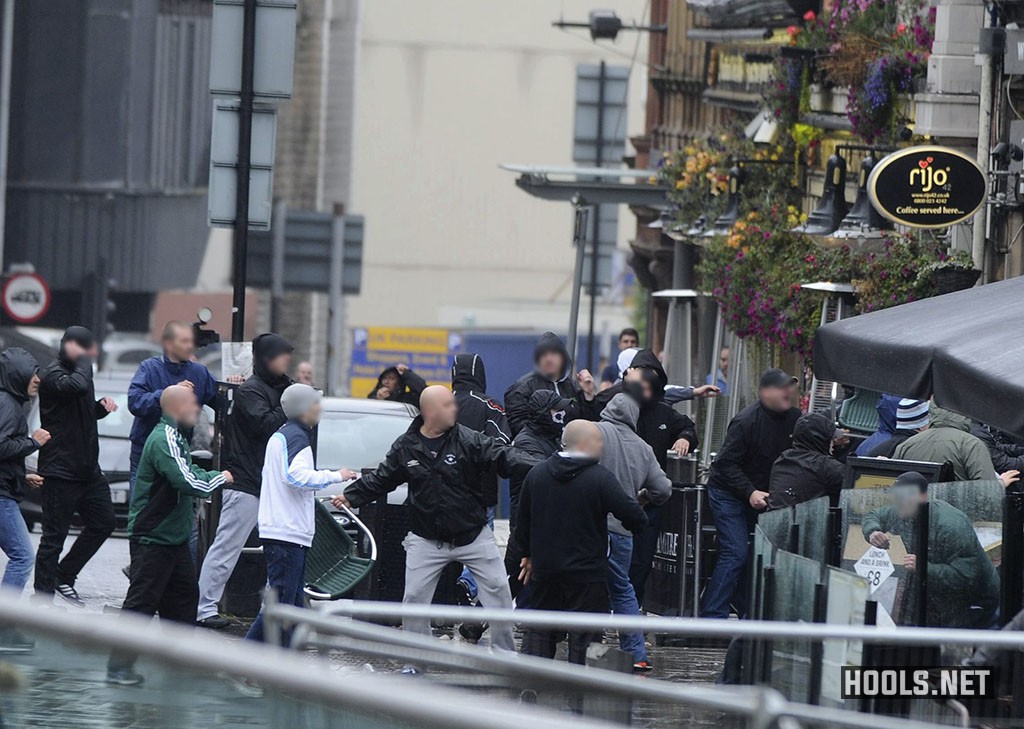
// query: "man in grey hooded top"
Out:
[635,467]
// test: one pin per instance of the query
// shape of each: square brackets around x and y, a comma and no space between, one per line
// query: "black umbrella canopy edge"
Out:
[965,349]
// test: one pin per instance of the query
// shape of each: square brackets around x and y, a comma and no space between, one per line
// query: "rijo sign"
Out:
[927,187]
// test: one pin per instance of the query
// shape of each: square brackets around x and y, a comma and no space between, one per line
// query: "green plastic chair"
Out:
[860,412]
[333,565]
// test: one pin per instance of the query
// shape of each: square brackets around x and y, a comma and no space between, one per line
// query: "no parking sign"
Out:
[26,297]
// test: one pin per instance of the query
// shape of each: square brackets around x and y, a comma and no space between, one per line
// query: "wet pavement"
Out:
[64,686]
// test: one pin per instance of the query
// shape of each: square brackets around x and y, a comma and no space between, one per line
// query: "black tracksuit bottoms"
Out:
[162,582]
[61,499]
[588,597]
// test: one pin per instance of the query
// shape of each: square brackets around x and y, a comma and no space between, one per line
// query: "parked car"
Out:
[115,450]
[357,433]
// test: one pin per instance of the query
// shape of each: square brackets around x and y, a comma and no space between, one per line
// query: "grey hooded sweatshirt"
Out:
[627,456]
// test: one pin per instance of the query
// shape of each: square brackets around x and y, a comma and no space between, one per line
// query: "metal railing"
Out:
[762,707]
[699,627]
[408,704]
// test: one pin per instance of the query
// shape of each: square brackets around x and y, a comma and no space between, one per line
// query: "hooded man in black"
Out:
[69,465]
[553,372]
[563,527]
[398,384]
[255,415]
[480,412]
[540,437]
[807,470]
[18,384]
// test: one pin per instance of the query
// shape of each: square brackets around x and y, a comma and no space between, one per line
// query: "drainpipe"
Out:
[984,146]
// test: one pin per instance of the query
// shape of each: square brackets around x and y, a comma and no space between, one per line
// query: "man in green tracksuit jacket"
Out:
[963,585]
[162,574]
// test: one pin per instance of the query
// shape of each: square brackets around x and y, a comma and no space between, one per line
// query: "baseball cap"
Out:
[911,479]
[777,378]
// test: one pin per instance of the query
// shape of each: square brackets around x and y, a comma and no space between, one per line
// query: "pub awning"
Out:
[966,349]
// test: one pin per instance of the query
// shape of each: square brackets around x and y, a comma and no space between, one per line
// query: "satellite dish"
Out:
[204,315]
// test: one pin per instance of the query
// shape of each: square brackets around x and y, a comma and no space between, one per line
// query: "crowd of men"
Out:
[586,463]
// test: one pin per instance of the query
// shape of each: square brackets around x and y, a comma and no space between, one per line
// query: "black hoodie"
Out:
[479,411]
[255,415]
[412,386]
[540,437]
[807,470]
[563,518]
[16,370]
[660,425]
[68,409]
[517,397]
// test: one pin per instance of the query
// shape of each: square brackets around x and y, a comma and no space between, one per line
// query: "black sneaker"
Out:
[214,622]
[124,677]
[472,632]
[12,641]
[69,593]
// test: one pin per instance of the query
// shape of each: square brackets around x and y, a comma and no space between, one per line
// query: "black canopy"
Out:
[966,349]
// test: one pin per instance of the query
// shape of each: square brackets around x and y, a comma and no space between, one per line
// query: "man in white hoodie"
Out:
[290,481]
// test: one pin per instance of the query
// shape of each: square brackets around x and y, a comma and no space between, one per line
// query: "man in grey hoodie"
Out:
[635,467]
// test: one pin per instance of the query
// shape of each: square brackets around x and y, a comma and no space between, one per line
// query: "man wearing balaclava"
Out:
[256,415]
[69,465]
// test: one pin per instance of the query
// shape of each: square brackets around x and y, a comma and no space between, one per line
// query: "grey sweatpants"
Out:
[424,562]
[238,515]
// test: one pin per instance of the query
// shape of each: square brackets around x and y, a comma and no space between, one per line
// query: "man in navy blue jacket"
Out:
[173,367]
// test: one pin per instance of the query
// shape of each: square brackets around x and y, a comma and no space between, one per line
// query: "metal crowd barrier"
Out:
[326,697]
[331,628]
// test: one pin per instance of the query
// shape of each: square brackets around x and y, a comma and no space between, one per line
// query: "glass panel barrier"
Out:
[889,516]
[812,518]
[965,538]
[847,594]
[776,524]
[792,598]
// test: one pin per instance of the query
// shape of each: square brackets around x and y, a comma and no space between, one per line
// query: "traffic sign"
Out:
[273,65]
[26,297]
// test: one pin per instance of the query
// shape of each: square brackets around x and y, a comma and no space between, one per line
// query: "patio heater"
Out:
[679,326]
[837,304]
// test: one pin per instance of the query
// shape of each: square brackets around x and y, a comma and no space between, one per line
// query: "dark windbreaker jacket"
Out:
[16,370]
[256,415]
[445,498]
[517,396]
[807,470]
[756,437]
[563,518]
[68,409]
[479,411]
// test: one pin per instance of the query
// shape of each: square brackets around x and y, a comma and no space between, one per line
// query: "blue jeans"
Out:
[466,575]
[286,573]
[734,520]
[621,594]
[15,543]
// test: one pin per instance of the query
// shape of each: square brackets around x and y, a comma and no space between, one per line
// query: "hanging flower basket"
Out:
[948,280]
